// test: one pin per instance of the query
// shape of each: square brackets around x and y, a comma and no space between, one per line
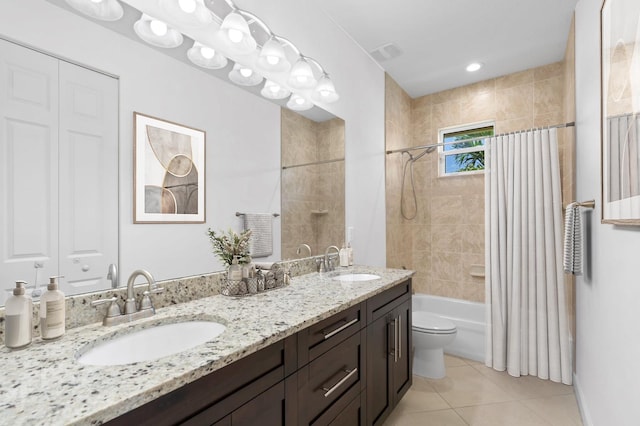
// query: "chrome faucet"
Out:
[303,245]
[328,261]
[132,310]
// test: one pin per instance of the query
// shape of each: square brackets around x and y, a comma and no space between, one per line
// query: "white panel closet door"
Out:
[28,166]
[88,238]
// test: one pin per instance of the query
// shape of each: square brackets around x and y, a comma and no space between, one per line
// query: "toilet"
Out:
[431,334]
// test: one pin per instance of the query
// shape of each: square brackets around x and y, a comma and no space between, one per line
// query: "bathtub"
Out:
[468,318]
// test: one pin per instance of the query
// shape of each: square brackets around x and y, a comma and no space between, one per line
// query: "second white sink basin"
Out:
[356,277]
[151,343]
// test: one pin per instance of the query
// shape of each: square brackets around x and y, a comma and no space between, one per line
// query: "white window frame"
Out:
[442,154]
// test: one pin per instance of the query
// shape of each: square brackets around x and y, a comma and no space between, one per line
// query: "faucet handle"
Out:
[145,301]
[114,308]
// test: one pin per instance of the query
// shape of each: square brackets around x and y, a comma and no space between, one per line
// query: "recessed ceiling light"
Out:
[474,66]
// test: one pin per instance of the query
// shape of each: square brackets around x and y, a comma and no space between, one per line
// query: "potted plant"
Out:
[228,246]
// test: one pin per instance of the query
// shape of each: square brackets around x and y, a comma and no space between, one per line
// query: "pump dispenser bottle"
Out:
[52,311]
[18,321]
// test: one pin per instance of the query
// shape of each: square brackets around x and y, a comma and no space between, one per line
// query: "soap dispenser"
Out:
[344,256]
[52,311]
[18,318]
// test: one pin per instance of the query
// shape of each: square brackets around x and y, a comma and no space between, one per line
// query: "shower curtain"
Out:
[527,325]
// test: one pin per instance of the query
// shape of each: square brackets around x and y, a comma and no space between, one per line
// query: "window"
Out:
[466,156]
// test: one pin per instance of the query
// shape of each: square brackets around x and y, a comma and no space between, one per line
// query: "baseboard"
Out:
[582,404]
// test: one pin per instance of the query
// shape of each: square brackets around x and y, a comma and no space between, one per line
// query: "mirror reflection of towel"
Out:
[261,241]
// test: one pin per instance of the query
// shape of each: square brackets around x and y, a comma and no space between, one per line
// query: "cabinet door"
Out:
[379,398]
[402,359]
[267,409]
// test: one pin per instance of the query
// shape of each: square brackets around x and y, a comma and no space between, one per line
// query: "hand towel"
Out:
[261,241]
[572,259]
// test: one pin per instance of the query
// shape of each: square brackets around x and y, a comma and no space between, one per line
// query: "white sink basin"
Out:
[356,277]
[150,343]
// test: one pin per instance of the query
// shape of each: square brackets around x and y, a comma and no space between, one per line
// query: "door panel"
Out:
[402,377]
[88,178]
[379,398]
[28,166]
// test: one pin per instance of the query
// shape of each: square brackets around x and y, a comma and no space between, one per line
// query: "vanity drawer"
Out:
[336,377]
[320,337]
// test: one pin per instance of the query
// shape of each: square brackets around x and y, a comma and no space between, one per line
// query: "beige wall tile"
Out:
[515,79]
[548,95]
[555,69]
[514,102]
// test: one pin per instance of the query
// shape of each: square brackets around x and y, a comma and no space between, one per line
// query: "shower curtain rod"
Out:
[313,163]
[556,126]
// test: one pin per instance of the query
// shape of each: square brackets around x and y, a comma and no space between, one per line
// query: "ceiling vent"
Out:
[386,52]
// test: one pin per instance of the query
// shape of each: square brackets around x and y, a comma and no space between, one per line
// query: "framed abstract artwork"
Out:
[620,86]
[169,172]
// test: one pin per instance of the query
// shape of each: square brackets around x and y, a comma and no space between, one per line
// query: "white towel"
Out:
[572,261]
[261,241]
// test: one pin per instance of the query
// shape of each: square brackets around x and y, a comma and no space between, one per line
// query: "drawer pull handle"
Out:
[332,389]
[399,336]
[332,333]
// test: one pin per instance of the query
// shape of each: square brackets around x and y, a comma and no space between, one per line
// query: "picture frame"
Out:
[620,111]
[169,172]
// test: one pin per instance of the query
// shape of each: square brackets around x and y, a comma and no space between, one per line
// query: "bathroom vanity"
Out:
[319,351]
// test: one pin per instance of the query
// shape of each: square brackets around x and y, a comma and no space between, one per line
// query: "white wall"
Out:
[608,318]
[243,130]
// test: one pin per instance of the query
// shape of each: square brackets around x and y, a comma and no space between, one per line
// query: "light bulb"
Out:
[187,6]
[235,35]
[159,28]
[274,88]
[301,78]
[325,92]
[207,52]
[273,60]
[475,66]
[299,101]
[96,1]
[246,72]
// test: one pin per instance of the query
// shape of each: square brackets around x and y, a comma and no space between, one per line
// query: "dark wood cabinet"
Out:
[389,345]
[350,369]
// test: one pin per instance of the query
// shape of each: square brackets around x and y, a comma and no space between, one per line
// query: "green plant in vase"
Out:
[228,246]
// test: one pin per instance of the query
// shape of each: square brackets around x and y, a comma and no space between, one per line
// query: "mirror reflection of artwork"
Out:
[169,172]
[621,111]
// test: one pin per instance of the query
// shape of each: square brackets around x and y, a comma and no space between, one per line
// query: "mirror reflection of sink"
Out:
[356,277]
[149,344]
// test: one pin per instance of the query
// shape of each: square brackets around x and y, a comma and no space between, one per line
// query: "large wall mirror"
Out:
[312,195]
[312,184]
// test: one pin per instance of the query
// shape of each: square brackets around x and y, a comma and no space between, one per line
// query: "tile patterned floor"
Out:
[473,394]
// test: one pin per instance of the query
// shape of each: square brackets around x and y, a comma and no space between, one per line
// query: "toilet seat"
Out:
[426,322]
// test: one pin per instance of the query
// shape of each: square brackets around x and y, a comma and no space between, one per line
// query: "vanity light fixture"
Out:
[325,91]
[157,33]
[474,66]
[235,35]
[298,103]
[206,57]
[222,36]
[104,10]
[302,75]
[244,76]
[273,90]
[188,13]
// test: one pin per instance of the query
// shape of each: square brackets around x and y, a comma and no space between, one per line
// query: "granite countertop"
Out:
[44,384]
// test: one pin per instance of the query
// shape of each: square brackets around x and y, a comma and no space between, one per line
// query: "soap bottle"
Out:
[350,253]
[52,311]
[18,321]
[235,270]
[344,256]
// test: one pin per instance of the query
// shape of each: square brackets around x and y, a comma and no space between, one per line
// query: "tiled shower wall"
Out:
[446,238]
[312,195]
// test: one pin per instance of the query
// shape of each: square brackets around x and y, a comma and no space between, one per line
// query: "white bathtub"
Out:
[468,318]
